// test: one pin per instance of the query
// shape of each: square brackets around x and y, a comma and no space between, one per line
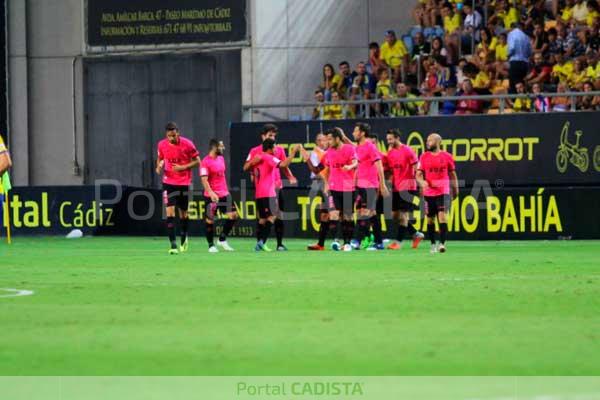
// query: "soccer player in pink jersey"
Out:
[437,177]
[269,131]
[400,166]
[340,165]
[262,166]
[216,196]
[370,183]
[177,156]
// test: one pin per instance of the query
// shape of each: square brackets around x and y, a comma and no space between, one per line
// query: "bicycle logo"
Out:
[574,153]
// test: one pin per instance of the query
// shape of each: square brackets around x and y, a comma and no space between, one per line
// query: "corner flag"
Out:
[6,186]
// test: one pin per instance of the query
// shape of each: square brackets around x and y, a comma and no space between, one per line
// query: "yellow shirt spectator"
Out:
[575,79]
[522,104]
[567,14]
[393,55]
[563,71]
[482,80]
[510,17]
[501,52]
[451,24]
[593,72]
[591,17]
[384,88]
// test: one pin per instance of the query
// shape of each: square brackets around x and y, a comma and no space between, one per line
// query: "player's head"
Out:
[321,141]
[172,132]
[268,146]
[434,142]
[393,137]
[335,137]
[361,131]
[269,131]
[216,146]
[373,138]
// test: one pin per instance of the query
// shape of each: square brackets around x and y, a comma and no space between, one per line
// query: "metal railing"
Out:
[250,110]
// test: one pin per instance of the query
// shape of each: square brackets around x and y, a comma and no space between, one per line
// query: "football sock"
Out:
[279,231]
[443,232]
[347,230]
[266,231]
[171,231]
[401,233]
[229,224]
[210,234]
[334,227]
[325,225]
[184,229]
[376,223]
[431,232]
[411,229]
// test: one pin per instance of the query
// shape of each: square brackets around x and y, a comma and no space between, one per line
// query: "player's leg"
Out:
[417,236]
[210,212]
[278,221]
[266,220]
[431,210]
[442,216]
[323,230]
[183,201]
[375,218]
[363,217]
[170,204]
[345,206]
[226,207]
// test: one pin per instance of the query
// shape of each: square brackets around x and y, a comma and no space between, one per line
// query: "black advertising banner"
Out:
[480,213]
[154,22]
[511,150]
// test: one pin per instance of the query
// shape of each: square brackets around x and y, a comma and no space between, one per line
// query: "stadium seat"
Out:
[415,29]
[408,42]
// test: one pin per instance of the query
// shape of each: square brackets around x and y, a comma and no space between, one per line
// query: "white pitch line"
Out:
[15,293]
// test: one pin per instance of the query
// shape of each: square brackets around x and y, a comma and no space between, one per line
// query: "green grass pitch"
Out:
[122,306]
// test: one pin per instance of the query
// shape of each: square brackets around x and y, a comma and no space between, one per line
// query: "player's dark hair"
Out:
[394,132]
[336,133]
[268,144]
[213,143]
[373,136]
[268,128]
[364,127]
[171,126]
[344,63]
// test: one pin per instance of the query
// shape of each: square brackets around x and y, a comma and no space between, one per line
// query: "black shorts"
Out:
[367,198]
[342,202]
[436,204]
[175,195]
[224,206]
[403,201]
[267,207]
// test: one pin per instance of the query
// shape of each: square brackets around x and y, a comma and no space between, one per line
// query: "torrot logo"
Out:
[481,149]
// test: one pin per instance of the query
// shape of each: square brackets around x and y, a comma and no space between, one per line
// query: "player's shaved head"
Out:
[434,142]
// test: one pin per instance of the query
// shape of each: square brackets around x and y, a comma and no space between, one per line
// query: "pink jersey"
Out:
[214,170]
[335,159]
[400,162]
[181,153]
[278,152]
[436,168]
[366,174]
[264,179]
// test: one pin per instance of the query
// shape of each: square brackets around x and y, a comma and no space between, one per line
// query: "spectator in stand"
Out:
[505,14]
[468,106]
[588,102]
[579,75]
[404,109]
[363,83]
[555,43]
[419,15]
[595,36]
[541,72]
[383,91]
[539,42]
[460,74]
[580,12]
[593,69]
[593,12]
[561,103]
[420,51]
[519,51]
[375,62]
[574,44]
[567,12]
[522,103]
[533,11]
[331,81]
[486,49]
[451,19]
[394,54]
[541,103]
[337,111]
[345,79]
[471,27]
[319,110]
[448,107]
[502,65]
[437,48]
[562,68]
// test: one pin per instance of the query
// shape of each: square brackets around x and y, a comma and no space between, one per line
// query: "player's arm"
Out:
[420,177]
[286,163]
[325,177]
[160,162]
[382,187]
[310,162]
[213,196]
[453,183]
[248,164]
[192,164]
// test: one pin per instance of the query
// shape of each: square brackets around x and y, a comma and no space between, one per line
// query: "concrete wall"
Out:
[292,39]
